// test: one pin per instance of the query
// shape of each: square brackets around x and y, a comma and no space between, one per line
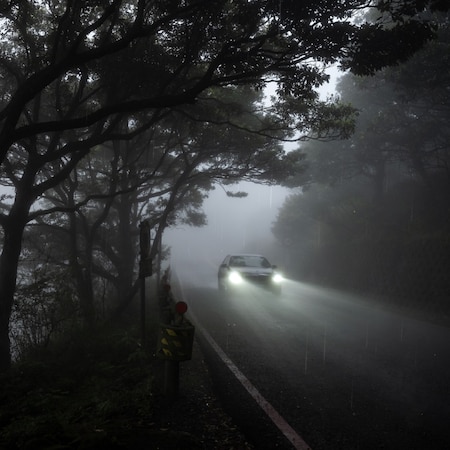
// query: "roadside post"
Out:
[175,342]
[145,269]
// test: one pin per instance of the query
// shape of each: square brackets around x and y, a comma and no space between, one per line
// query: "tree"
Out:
[190,150]
[61,97]
[388,183]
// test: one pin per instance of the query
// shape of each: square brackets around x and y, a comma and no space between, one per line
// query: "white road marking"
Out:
[271,412]
[276,418]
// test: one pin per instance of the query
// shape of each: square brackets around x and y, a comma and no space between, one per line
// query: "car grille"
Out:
[257,278]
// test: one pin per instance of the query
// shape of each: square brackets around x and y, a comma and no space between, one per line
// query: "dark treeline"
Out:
[374,214]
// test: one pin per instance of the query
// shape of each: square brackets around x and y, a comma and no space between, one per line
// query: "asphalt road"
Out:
[338,372]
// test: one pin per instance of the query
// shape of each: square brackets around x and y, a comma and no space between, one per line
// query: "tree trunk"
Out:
[86,294]
[9,262]
[81,266]
[126,245]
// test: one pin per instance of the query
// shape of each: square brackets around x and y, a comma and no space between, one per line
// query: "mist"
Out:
[233,225]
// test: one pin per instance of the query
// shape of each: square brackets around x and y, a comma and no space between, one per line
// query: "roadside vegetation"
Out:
[373,214]
[102,389]
[86,390]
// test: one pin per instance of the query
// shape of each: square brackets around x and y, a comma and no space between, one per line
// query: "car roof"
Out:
[246,254]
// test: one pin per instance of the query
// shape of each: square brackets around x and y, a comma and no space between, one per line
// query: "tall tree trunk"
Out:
[85,292]
[9,262]
[81,266]
[126,245]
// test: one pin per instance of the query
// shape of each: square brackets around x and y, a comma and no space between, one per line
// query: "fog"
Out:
[233,225]
[237,224]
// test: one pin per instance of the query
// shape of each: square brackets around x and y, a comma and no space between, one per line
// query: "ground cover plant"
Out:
[86,391]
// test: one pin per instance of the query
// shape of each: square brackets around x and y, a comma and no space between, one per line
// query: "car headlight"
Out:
[277,278]
[235,277]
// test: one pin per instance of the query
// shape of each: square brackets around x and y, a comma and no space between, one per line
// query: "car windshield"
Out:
[249,261]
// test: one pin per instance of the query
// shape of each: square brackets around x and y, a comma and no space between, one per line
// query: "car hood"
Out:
[253,270]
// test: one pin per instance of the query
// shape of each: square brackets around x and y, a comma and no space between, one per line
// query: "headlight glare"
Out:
[277,278]
[235,277]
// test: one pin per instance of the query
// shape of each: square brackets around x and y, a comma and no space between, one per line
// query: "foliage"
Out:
[378,202]
[45,306]
[85,391]
[163,176]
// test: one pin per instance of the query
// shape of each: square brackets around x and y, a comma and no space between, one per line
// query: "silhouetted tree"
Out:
[74,73]
[161,175]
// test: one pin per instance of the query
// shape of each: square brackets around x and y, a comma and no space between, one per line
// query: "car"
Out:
[237,270]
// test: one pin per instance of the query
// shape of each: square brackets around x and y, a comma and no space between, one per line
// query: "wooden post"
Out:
[143,328]
[145,270]
[171,378]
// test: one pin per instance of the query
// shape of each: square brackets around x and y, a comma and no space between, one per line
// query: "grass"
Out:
[86,392]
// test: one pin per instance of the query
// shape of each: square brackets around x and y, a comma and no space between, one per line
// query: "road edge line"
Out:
[291,435]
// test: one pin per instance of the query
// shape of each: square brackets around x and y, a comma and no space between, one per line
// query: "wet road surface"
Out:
[342,373]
